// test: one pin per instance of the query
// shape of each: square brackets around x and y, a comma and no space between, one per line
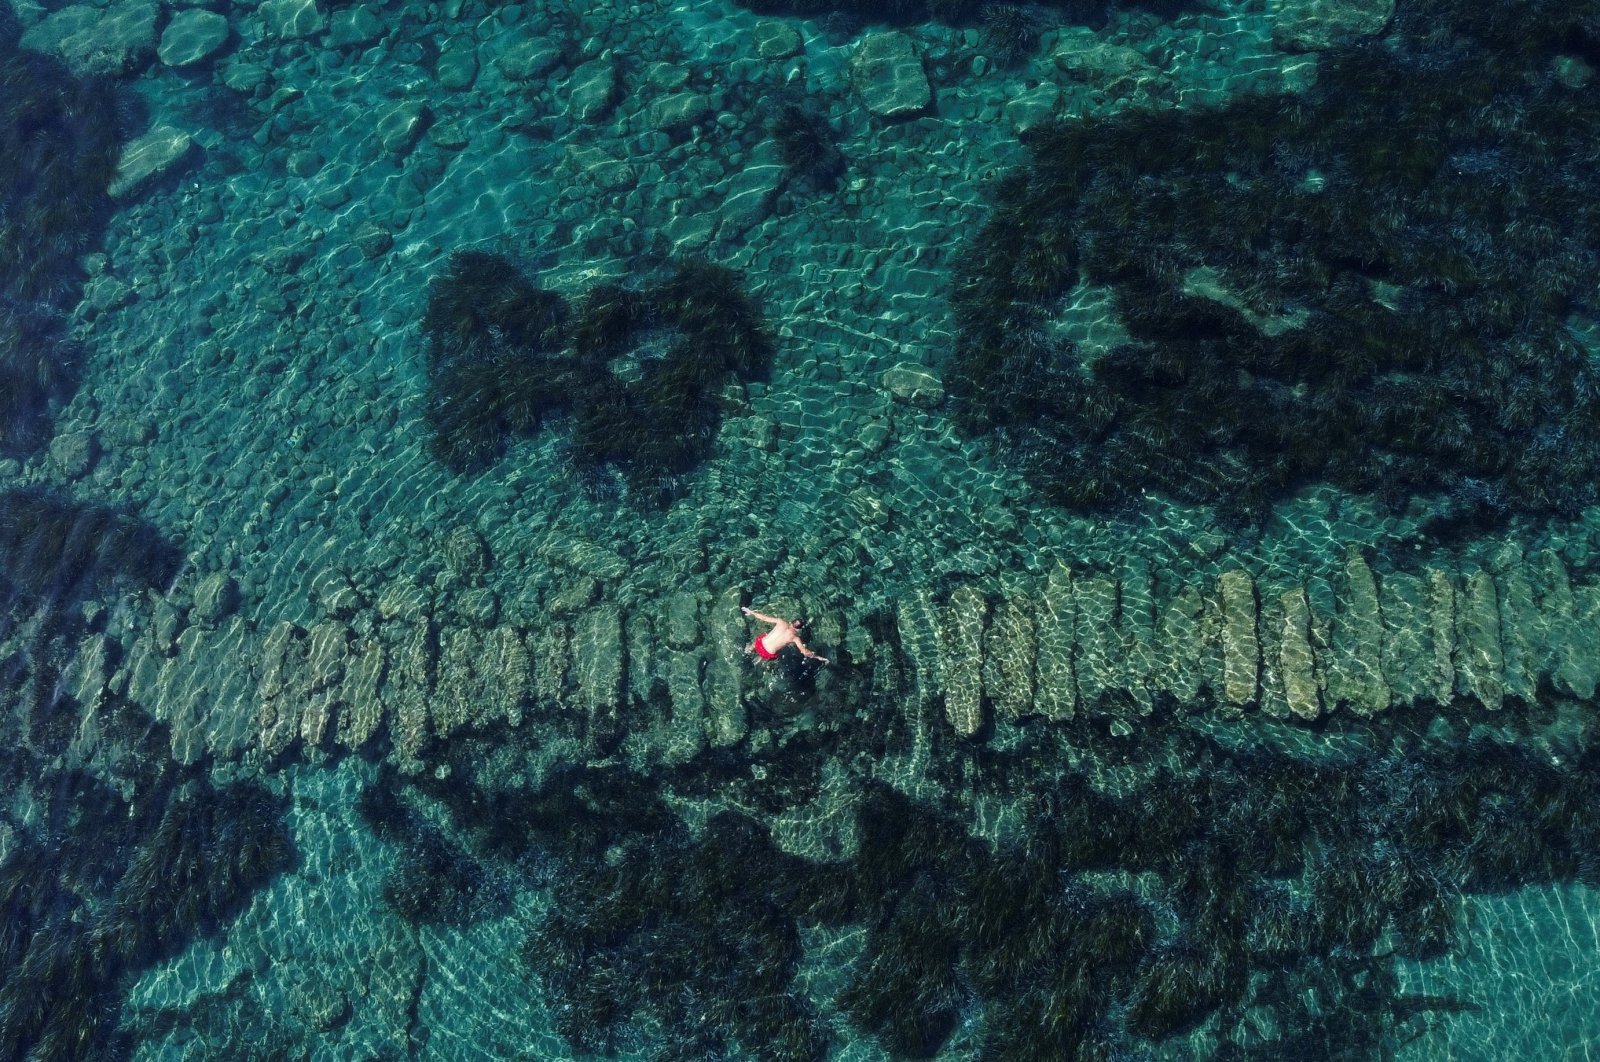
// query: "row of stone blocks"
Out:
[231,688]
[1109,646]
[1076,643]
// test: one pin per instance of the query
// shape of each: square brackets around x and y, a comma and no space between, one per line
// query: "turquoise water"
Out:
[385,460]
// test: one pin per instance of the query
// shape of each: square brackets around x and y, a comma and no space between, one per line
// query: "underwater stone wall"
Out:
[675,679]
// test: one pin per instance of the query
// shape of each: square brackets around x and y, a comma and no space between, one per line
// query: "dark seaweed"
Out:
[1397,254]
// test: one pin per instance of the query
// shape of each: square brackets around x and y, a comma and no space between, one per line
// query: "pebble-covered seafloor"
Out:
[255,383]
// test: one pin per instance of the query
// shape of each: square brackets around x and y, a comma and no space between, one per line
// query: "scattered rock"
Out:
[457,67]
[112,41]
[1113,68]
[292,19]
[681,109]
[887,75]
[599,169]
[1317,25]
[1033,108]
[749,195]
[71,453]
[399,129]
[592,90]
[215,598]
[913,383]
[965,618]
[451,136]
[304,163]
[147,159]
[1295,660]
[373,239]
[354,26]
[1241,651]
[776,40]
[465,552]
[192,36]
[529,59]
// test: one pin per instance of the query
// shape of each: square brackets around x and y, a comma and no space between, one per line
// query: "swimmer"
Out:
[782,633]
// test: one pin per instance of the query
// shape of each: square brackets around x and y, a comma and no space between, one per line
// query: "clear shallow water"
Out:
[253,390]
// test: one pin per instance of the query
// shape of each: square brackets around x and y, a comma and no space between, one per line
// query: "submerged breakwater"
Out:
[1174,422]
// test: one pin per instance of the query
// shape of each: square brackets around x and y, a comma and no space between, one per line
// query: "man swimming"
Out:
[782,633]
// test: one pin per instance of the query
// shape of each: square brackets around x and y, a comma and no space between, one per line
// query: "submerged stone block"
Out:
[726,720]
[965,617]
[1137,618]
[1009,659]
[1407,642]
[1480,663]
[1241,652]
[1056,695]
[1355,670]
[1296,664]
[598,663]
[363,708]
[1099,650]
[1442,620]
[921,645]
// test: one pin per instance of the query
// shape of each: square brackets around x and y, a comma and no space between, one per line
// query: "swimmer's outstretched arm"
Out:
[805,650]
[762,616]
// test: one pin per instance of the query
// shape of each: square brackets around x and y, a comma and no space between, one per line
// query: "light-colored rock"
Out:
[354,27]
[887,75]
[599,170]
[964,620]
[921,645]
[913,383]
[1317,25]
[289,20]
[458,689]
[726,718]
[1442,621]
[1355,669]
[399,128]
[193,36]
[71,454]
[1522,649]
[776,40]
[1113,68]
[1407,648]
[680,110]
[281,689]
[95,41]
[148,158]
[407,687]
[592,90]
[327,648]
[682,629]
[749,194]
[1097,662]
[583,556]
[457,67]
[1241,651]
[1136,616]
[597,664]
[529,58]
[1296,664]
[1008,659]
[1057,689]
[464,551]
[215,597]
[508,674]
[1479,662]
[363,710]
[1034,107]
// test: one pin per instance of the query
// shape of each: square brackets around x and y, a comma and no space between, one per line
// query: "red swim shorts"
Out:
[761,650]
